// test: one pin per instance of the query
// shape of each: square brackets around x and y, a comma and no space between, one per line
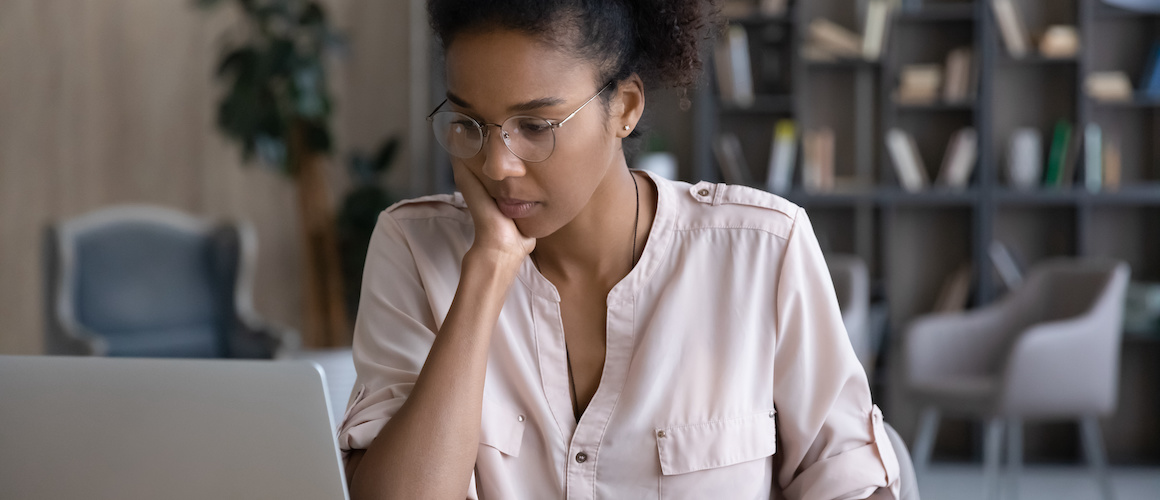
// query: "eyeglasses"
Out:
[530,138]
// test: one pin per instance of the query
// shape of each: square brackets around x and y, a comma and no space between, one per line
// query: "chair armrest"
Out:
[257,338]
[961,343]
[1063,368]
[67,338]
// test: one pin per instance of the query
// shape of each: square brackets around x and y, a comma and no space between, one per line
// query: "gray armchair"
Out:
[147,281]
[1050,350]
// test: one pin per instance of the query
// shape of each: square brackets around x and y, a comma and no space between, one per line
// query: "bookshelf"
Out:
[913,241]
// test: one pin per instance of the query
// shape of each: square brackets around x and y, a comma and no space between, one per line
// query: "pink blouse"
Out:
[728,371]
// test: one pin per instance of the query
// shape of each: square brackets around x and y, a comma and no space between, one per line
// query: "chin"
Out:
[534,227]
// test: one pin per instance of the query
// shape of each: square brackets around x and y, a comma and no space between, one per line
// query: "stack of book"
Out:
[829,41]
[926,83]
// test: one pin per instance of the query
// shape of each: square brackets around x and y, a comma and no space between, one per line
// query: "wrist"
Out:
[496,263]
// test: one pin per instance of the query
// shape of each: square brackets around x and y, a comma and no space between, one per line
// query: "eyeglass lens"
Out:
[530,138]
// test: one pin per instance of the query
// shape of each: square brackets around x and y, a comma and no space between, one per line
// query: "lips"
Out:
[515,209]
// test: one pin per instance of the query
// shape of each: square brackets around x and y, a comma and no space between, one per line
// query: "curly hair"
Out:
[659,40]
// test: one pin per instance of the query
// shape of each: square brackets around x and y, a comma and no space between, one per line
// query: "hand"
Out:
[496,236]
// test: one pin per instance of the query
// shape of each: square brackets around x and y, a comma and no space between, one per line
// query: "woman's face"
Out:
[494,75]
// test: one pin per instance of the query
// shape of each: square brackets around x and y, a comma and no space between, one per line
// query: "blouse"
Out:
[728,371]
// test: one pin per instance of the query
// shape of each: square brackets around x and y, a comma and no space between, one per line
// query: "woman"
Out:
[569,328]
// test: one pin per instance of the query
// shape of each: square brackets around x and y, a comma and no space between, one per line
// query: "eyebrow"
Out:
[542,102]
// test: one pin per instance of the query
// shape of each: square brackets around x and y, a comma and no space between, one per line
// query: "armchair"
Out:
[147,281]
[1049,350]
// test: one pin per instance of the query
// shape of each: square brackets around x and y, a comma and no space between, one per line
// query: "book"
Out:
[730,159]
[735,75]
[1111,163]
[818,160]
[1060,41]
[874,31]
[1025,158]
[957,83]
[1011,28]
[1093,157]
[956,290]
[773,7]
[1070,160]
[907,161]
[1108,86]
[959,159]
[1010,272]
[782,156]
[834,38]
[1060,140]
[919,83]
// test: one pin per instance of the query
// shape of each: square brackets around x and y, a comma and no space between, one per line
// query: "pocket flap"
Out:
[502,428]
[719,443]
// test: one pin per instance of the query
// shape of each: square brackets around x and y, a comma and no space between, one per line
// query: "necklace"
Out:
[567,356]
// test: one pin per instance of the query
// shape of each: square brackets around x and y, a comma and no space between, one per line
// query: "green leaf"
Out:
[312,15]
[386,155]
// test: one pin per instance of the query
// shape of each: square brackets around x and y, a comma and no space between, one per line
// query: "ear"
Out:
[628,105]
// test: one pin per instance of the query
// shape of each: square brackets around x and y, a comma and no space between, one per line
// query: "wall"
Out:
[112,101]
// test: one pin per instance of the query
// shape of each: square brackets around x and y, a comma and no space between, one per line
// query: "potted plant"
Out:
[360,211]
[278,108]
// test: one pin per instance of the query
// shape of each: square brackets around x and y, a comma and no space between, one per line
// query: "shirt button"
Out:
[520,418]
[661,434]
[703,192]
[581,457]
[771,413]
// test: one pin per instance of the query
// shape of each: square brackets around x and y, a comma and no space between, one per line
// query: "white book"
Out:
[956,84]
[874,33]
[1011,27]
[959,159]
[738,42]
[1093,170]
[782,156]
[1025,159]
[907,161]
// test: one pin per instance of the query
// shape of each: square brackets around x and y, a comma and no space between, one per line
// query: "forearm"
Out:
[427,450]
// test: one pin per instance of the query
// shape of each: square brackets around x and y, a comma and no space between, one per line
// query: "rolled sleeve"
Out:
[833,441]
[393,335]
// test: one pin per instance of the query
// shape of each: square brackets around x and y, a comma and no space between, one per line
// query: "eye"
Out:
[534,126]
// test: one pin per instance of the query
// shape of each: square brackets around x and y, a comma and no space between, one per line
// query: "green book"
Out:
[1058,155]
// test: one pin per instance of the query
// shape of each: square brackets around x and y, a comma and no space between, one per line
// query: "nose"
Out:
[499,162]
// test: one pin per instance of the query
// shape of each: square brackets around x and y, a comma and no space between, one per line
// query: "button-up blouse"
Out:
[728,372]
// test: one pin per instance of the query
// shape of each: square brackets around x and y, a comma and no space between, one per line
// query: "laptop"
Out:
[121,428]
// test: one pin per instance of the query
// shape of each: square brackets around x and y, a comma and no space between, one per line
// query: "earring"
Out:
[626,127]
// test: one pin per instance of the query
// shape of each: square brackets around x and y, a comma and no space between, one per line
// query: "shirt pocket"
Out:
[502,427]
[719,456]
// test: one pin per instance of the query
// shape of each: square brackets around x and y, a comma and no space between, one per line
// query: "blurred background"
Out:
[979,172]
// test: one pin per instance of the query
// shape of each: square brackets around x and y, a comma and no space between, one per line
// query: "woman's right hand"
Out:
[496,236]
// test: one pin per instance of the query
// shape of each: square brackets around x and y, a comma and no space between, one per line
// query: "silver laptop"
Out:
[109,428]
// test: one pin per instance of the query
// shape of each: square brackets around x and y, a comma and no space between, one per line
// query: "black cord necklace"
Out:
[571,379]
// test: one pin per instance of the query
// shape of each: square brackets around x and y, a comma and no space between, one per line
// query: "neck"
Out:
[598,243]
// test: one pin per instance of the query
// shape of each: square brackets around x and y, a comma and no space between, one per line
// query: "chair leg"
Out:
[992,451]
[1093,448]
[1014,456]
[924,442]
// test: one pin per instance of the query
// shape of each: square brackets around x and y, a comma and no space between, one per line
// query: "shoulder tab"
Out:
[454,200]
[726,194]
